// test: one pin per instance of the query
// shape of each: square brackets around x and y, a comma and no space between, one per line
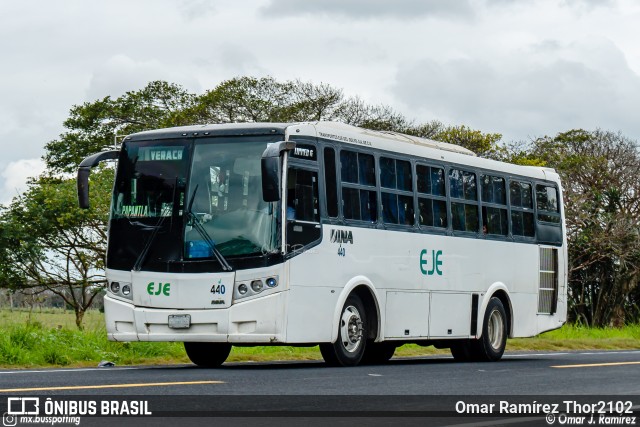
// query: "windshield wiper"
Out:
[205,235]
[138,264]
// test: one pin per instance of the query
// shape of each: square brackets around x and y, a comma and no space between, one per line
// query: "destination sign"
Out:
[154,154]
[304,151]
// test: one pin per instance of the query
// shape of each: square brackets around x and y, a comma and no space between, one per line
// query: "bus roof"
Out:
[364,138]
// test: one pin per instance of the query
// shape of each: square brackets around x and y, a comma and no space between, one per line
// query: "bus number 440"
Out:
[429,268]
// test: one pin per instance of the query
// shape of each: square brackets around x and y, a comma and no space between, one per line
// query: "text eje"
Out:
[435,263]
[163,289]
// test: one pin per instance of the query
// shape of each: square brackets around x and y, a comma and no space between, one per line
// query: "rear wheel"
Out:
[378,353]
[490,347]
[461,351]
[349,348]
[207,354]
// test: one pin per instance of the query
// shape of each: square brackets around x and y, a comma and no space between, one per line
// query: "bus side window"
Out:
[396,198]
[359,196]
[494,206]
[548,211]
[521,201]
[547,204]
[432,205]
[464,205]
[330,182]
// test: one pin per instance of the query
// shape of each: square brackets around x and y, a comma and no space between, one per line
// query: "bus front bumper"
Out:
[259,320]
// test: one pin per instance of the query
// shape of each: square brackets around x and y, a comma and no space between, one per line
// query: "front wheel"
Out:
[352,329]
[207,354]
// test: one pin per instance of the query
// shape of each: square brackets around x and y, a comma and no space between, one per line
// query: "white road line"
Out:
[54,370]
[599,353]
[538,354]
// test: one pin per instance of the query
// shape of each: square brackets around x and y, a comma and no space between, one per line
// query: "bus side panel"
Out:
[310,313]
[407,315]
[443,323]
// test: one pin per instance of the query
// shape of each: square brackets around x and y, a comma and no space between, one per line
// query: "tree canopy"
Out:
[599,171]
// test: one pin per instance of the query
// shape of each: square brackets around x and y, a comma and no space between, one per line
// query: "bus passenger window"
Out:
[494,206]
[358,171]
[330,182]
[547,204]
[464,210]
[548,227]
[397,203]
[432,210]
[521,201]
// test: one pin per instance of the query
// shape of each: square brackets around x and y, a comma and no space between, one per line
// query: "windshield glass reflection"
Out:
[225,197]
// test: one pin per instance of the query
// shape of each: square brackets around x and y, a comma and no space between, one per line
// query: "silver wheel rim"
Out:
[495,330]
[351,329]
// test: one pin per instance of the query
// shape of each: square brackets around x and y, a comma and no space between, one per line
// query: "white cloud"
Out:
[16,175]
[517,67]
[120,74]
[366,9]
[547,88]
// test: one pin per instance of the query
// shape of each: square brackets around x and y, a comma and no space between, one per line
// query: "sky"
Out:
[521,68]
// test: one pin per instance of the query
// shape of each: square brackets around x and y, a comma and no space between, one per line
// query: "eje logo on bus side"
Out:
[435,262]
[163,289]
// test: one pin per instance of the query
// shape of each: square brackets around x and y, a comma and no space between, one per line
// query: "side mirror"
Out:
[83,174]
[272,169]
[271,172]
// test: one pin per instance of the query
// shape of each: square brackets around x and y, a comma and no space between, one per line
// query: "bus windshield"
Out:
[225,197]
[185,199]
[148,177]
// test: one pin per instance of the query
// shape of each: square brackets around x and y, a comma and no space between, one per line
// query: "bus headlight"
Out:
[257,285]
[121,289]
[253,287]
[242,289]
[271,282]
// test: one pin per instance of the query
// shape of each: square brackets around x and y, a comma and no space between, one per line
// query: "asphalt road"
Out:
[401,385]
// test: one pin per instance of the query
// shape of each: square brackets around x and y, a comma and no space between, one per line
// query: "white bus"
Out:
[324,233]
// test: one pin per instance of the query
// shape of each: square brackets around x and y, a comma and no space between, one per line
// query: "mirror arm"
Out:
[84,170]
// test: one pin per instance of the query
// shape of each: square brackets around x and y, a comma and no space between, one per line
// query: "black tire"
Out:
[378,353]
[461,351]
[351,344]
[207,354]
[490,347]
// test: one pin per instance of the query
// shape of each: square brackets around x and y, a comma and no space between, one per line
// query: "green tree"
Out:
[48,243]
[93,125]
[483,144]
[599,172]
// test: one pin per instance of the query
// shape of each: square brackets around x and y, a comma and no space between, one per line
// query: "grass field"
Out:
[50,338]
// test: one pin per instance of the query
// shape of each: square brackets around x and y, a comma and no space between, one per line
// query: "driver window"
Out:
[302,196]
[303,216]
